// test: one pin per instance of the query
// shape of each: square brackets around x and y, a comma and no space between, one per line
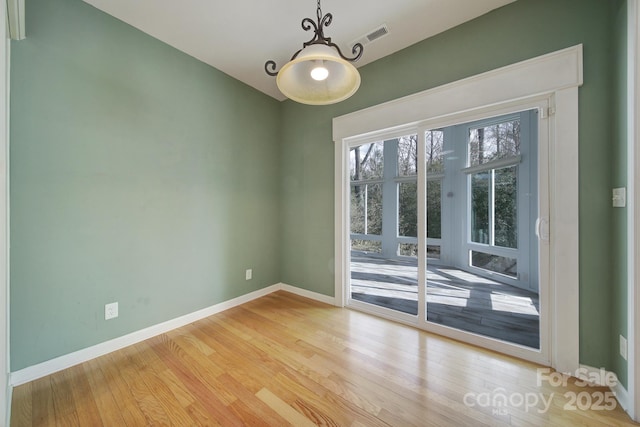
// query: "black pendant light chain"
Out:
[318,38]
[323,21]
[319,13]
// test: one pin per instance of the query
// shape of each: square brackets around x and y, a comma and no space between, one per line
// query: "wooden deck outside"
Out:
[455,298]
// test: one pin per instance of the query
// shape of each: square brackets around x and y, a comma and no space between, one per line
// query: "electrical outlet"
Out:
[111,311]
[248,274]
[623,347]
[619,197]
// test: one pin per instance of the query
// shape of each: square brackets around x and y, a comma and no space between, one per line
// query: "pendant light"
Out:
[318,74]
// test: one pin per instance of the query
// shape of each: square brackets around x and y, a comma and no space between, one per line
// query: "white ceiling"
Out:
[239,36]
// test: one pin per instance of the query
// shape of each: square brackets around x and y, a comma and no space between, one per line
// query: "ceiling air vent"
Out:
[377,33]
[381,31]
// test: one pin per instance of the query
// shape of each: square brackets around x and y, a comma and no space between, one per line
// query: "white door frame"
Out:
[5,389]
[12,26]
[555,76]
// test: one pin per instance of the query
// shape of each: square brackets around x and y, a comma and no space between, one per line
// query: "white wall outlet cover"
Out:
[623,347]
[619,197]
[110,311]
[248,274]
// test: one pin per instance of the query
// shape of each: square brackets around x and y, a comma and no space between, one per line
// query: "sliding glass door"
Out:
[443,228]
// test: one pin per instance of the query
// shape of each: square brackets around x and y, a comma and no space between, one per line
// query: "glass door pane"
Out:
[383,207]
[434,219]
[484,280]
[506,207]
[480,202]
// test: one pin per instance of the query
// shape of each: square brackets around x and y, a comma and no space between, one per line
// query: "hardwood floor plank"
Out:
[196,374]
[178,389]
[250,409]
[202,417]
[142,396]
[195,343]
[169,393]
[265,358]
[286,360]
[107,406]
[171,406]
[21,406]
[43,409]
[326,406]
[206,390]
[147,403]
[116,368]
[85,407]
[63,401]
[279,406]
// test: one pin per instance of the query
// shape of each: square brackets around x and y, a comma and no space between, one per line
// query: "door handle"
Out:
[542,228]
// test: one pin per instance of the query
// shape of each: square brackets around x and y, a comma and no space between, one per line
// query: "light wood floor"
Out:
[285,360]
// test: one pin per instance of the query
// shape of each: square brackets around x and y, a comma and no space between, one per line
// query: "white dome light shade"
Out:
[296,82]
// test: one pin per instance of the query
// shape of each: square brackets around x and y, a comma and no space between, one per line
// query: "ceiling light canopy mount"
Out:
[319,73]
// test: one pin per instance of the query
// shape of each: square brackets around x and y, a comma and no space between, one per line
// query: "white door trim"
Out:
[5,388]
[554,76]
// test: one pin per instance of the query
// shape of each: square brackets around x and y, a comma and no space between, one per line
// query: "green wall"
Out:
[138,175]
[143,176]
[524,29]
[619,176]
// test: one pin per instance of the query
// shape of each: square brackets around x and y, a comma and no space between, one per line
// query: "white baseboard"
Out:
[308,294]
[589,373]
[68,360]
[623,396]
